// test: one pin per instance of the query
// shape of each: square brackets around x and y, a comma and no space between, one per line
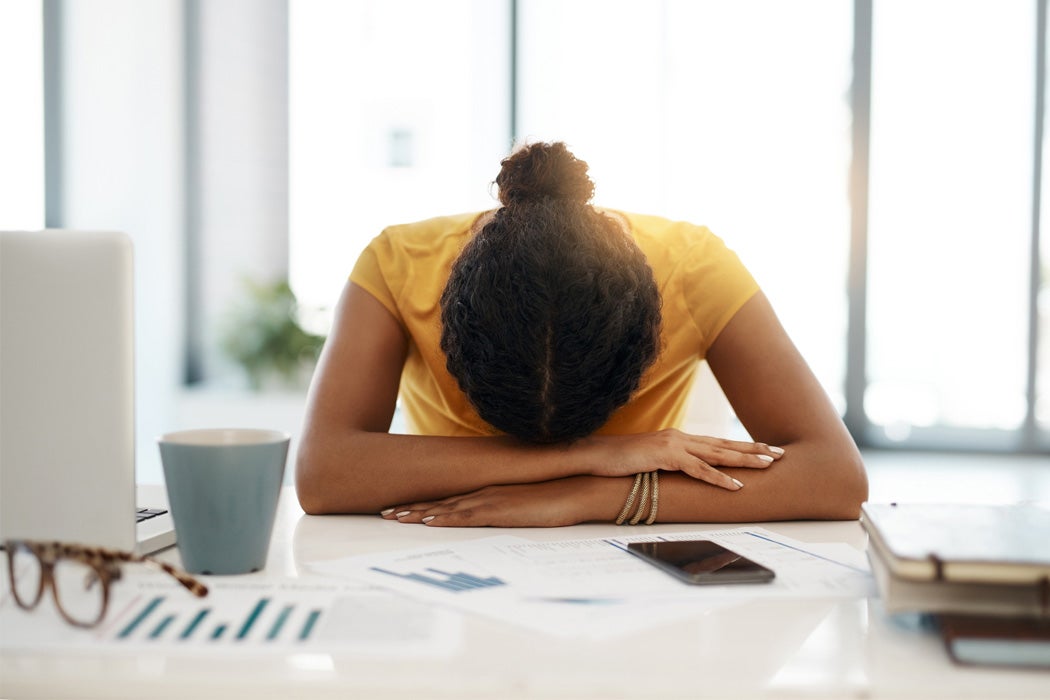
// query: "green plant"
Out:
[265,338]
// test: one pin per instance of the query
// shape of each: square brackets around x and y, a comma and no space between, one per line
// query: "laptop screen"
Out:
[67,416]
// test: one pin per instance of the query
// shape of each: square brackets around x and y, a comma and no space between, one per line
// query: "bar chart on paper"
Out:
[241,616]
[220,619]
[455,582]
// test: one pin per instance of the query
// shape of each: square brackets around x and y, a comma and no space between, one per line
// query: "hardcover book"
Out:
[986,544]
[901,595]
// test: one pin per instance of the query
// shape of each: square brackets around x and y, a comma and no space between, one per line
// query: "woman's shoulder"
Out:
[417,249]
[428,232]
[659,235]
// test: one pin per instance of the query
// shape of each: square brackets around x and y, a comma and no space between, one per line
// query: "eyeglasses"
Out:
[78,576]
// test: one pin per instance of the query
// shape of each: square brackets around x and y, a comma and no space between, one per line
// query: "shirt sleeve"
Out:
[715,284]
[374,271]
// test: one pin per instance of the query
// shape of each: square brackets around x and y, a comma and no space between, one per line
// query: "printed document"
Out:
[594,587]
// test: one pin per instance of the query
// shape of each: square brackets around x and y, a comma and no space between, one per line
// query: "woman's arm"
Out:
[349,463]
[778,400]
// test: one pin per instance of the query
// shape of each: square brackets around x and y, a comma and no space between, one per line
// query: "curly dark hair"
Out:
[551,314]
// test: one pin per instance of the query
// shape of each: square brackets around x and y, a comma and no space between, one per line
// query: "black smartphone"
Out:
[701,562]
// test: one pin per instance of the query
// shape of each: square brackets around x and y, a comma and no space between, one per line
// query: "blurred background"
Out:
[877,164]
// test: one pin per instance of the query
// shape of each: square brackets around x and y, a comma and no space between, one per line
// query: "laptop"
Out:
[67,394]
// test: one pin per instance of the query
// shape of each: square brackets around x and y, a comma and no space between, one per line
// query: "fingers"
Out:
[734,453]
[437,515]
[710,453]
[405,515]
[705,472]
[541,504]
[411,513]
[426,513]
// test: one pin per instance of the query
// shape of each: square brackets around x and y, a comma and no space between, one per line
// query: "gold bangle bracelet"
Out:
[655,502]
[643,500]
[630,500]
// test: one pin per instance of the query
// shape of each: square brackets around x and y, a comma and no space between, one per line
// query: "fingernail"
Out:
[428,518]
[765,458]
[738,483]
[777,450]
[402,514]
[388,511]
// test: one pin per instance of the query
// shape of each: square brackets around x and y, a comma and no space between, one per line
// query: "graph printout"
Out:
[457,582]
[269,618]
[593,588]
[242,614]
[444,576]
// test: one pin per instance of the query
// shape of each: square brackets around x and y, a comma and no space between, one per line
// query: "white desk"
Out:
[762,649]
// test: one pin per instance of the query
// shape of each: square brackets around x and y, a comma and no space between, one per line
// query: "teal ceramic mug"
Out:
[223,485]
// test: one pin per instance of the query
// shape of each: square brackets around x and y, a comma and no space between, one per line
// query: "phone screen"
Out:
[701,561]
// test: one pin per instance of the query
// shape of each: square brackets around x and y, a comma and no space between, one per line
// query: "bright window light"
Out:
[733,115]
[22,116]
[398,112]
[950,214]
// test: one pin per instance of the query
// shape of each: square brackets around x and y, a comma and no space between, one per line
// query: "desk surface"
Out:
[841,648]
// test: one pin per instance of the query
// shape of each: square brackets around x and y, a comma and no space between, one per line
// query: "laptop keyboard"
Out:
[147,513]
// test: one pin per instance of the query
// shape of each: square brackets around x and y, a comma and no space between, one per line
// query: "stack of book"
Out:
[982,572]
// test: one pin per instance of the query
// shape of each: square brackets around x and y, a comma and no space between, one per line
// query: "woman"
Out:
[544,352]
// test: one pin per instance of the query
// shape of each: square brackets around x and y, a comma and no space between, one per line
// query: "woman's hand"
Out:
[545,504]
[672,450]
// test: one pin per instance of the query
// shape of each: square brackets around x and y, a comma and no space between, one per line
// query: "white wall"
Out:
[124,144]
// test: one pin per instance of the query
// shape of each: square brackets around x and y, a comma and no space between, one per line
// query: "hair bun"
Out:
[541,170]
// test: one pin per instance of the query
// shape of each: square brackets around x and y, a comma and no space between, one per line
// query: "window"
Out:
[734,115]
[730,113]
[950,218]
[1042,287]
[22,118]
[399,110]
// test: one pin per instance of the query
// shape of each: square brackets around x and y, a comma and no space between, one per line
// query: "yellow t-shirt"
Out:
[701,281]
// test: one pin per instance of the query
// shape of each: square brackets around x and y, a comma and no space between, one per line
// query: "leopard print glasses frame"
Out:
[79,577]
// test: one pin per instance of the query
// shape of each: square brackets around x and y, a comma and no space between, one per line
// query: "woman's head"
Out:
[551,314]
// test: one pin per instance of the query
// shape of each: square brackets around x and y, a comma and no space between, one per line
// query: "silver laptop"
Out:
[67,394]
